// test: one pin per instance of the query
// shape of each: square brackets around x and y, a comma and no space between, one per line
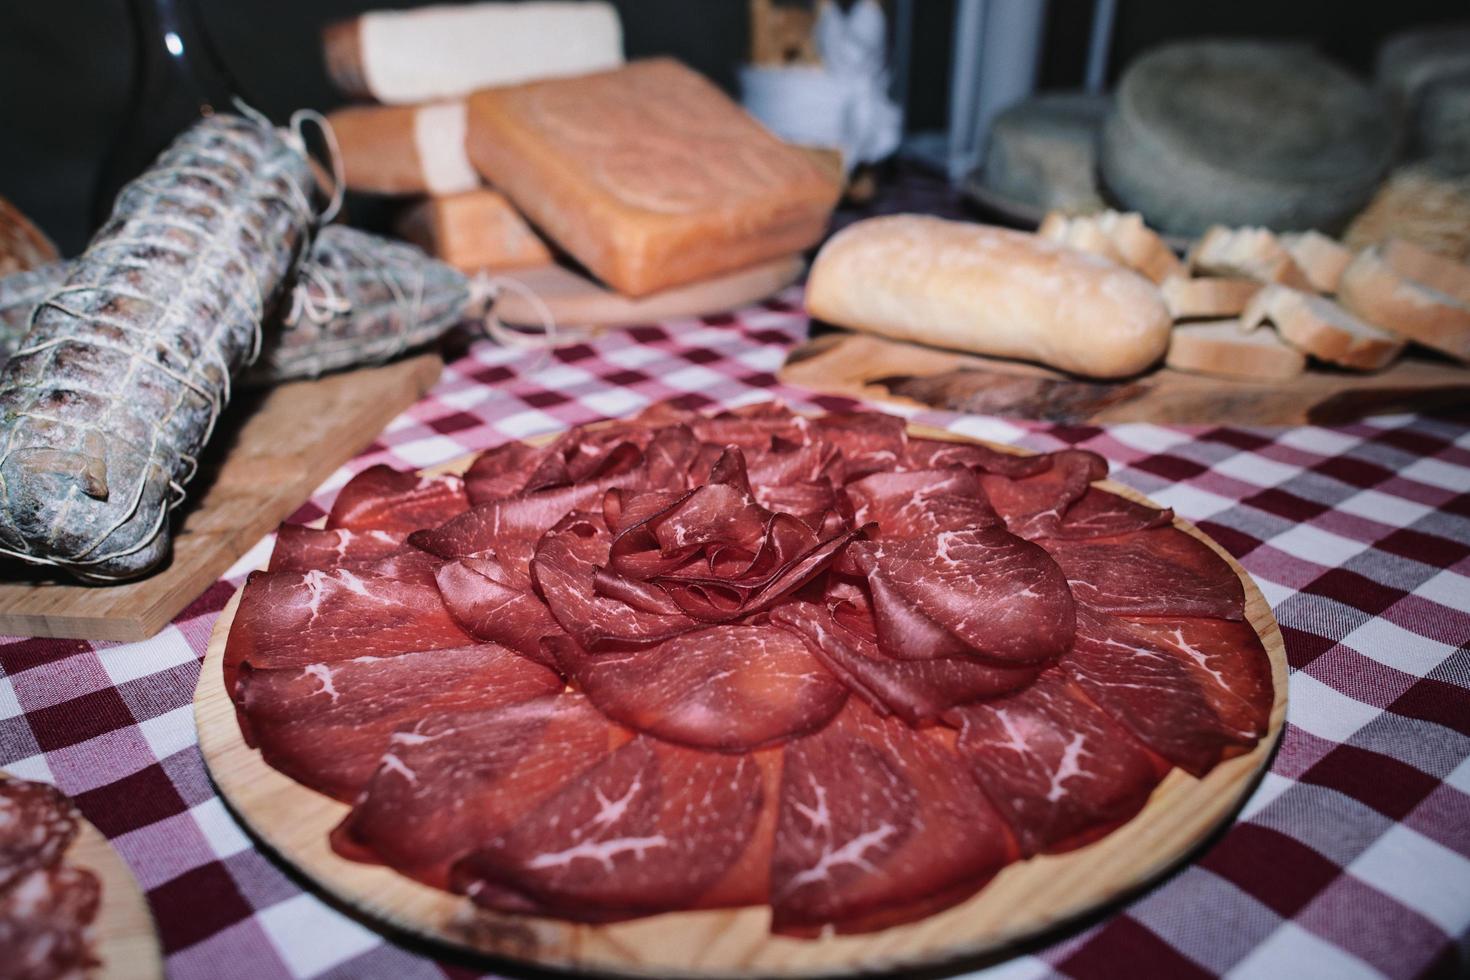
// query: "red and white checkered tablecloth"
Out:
[1352,858]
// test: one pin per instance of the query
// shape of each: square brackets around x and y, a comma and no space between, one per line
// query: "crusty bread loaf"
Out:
[405,149]
[473,231]
[1378,292]
[989,291]
[400,57]
[1250,253]
[1321,328]
[1207,297]
[648,175]
[1320,257]
[1218,347]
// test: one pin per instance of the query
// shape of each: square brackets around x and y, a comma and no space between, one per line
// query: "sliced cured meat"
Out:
[1099,512]
[1159,572]
[1059,770]
[1033,506]
[326,725]
[381,498]
[732,688]
[932,454]
[583,461]
[802,463]
[37,825]
[506,530]
[869,441]
[651,829]
[751,427]
[300,548]
[919,503]
[43,924]
[502,471]
[668,457]
[879,824]
[1193,690]
[918,691]
[482,599]
[978,591]
[377,608]
[454,782]
[810,502]
[565,569]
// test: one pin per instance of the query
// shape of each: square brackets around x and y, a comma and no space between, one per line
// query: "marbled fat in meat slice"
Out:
[44,919]
[1159,572]
[502,471]
[300,548]
[1034,506]
[730,688]
[870,441]
[482,599]
[930,454]
[326,724]
[919,503]
[37,825]
[1193,690]
[1059,770]
[918,691]
[564,570]
[377,608]
[879,824]
[381,498]
[1101,512]
[456,781]
[652,829]
[978,591]
[505,530]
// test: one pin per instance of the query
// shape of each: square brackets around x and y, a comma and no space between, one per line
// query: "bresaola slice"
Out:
[1157,572]
[494,606]
[1034,506]
[732,689]
[300,548]
[381,498]
[326,724]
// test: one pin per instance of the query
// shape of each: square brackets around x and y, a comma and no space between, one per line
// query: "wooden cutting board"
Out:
[864,366]
[1024,900]
[574,300]
[123,935]
[271,451]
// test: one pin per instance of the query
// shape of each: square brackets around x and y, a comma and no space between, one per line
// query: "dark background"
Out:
[66,66]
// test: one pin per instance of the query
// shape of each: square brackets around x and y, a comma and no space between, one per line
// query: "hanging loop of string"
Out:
[299,119]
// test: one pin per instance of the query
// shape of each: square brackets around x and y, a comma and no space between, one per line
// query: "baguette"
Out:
[473,231]
[1250,253]
[401,57]
[1218,347]
[1320,258]
[405,149]
[1374,289]
[1207,297]
[989,291]
[1320,327]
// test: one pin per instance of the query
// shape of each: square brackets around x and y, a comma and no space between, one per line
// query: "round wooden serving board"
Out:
[123,936]
[1025,899]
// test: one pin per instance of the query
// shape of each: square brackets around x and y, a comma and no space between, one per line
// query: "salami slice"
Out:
[37,825]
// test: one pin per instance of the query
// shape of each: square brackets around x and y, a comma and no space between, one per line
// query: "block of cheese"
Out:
[405,149]
[406,56]
[1219,348]
[1244,133]
[1411,61]
[989,291]
[473,231]
[1043,152]
[1412,292]
[648,175]
[1318,326]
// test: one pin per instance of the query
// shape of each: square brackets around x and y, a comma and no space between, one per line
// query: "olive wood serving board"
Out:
[272,451]
[877,369]
[1025,899]
[123,935]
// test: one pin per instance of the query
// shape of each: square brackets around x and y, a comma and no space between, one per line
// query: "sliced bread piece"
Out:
[1207,296]
[1429,268]
[1081,232]
[1249,253]
[1321,328]
[1376,289]
[1321,257]
[1141,247]
[1218,347]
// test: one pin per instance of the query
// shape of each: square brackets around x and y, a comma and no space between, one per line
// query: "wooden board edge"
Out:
[124,937]
[1181,814]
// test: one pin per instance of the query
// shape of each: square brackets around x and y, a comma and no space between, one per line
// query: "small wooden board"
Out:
[123,935]
[577,301]
[1023,900]
[874,368]
[273,449]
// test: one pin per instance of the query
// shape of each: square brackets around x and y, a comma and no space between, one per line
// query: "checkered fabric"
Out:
[1352,858]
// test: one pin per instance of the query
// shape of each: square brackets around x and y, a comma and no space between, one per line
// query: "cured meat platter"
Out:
[120,936]
[1023,900]
[272,455]
[894,372]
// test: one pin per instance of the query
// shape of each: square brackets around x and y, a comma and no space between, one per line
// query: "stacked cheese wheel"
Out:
[684,662]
